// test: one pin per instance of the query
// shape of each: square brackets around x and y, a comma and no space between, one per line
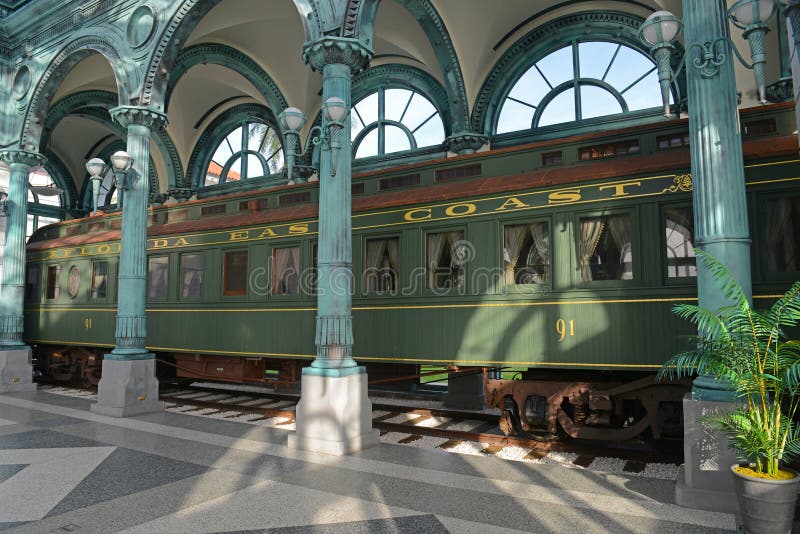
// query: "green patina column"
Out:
[129,385]
[720,221]
[720,203]
[334,412]
[16,372]
[792,12]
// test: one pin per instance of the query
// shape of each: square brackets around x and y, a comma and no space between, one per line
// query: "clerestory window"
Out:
[250,150]
[582,80]
[394,120]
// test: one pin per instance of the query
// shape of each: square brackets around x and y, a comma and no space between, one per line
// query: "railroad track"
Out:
[449,430]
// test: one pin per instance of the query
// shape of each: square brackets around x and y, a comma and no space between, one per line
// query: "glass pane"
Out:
[595,57]
[557,67]
[105,186]
[212,173]
[645,94]
[432,133]
[254,167]
[355,126]
[157,271]
[235,273]
[276,163]
[191,276]
[270,144]
[381,265]
[681,261]
[52,291]
[99,279]
[42,178]
[396,140]
[629,65]
[235,171]
[514,117]
[256,131]
[560,109]
[222,153]
[44,221]
[30,226]
[285,271]
[32,283]
[530,88]
[31,196]
[395,101]
[5,175]
[782,234]
[368,146]
[604,247]
[235,139]
[526,254]
[368,109]
[418,111]
[596,102]
[445,260]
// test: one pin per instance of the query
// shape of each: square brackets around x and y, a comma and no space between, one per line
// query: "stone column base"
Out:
[465,392]
[334,414]
[16,371]
[128,387]
[705,482]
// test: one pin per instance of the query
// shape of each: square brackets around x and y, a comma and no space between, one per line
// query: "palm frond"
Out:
[724,279]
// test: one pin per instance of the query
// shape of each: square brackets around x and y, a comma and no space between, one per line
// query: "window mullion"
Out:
[405,109]
[245,144]
[619,47]
[576,73]
[381,117]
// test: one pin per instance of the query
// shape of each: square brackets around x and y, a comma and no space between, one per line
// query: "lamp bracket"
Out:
[711,59]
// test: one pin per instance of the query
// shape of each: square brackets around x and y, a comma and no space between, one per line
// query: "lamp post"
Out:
[752,16]
[659,31]
[97,169]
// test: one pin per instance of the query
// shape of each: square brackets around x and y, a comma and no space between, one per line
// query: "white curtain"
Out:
[436,243]
[620,227]
[541,245]
[777,216]
[458,258]
[514,241]
[372,263]
[591,230]
[284,271]
[393,249]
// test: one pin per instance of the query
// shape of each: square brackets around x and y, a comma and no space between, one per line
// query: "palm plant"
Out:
[749,351]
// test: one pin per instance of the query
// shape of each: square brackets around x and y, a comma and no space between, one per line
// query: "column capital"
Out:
[25,157]
[337,50]
[140,115]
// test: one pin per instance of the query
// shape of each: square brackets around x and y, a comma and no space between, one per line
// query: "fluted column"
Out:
[131,331]
[334,414]
[13,284]
[792,12]
[720,203]
[338,59]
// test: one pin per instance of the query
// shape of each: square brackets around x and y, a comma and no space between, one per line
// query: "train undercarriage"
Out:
[541,403]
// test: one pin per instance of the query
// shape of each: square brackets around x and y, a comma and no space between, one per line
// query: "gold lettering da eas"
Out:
[619,189]
[564,197]
[298,229]
[459,210]
[240,235]
[268,232]
[411,215]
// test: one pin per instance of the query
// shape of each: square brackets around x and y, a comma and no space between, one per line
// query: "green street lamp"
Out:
[291,121]
[335,111]
[97,169]
[752,16]
[659,32]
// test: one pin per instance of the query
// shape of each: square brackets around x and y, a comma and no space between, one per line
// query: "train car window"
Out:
[99,279]
[235,273]
[32,283]
[157,271]
[52,290]
[782,234]
[605,248]
[285,271]
[446,253]
[313,275]
[191,276]
[381,265]
[526,253]
[679,224]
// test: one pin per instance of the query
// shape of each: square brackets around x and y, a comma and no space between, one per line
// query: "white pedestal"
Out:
[705,482]
[127,387]
[334,415]
[16,371]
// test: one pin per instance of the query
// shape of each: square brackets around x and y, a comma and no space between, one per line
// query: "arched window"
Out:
[250,150]
[582,80]
[394,120]
[45,201]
